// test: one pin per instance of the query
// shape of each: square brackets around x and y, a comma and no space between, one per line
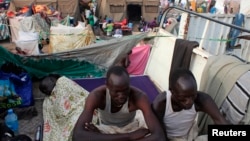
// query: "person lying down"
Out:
[62,106]
[113,111]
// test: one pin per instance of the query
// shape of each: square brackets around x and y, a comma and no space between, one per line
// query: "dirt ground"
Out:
[8,44]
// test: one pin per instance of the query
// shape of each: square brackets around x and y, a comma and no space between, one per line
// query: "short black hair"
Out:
[117,70]
[47,78]
[178,73]
[48,81]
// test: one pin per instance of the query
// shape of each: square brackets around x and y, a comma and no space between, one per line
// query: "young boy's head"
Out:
[48,83]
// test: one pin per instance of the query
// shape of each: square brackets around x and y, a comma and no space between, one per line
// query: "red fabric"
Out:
[138,59]
[122,23]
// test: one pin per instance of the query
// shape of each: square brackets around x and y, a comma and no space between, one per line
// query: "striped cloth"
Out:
[235,105]
[219,77]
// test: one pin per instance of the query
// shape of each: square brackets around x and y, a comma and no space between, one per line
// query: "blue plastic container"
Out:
[130,25]
[11,121]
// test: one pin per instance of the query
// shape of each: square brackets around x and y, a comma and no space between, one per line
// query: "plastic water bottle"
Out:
[11,121]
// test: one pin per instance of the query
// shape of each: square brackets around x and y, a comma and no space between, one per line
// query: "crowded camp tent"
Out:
[29,24]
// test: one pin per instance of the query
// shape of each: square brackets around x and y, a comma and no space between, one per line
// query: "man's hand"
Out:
[91,127]
[138,134]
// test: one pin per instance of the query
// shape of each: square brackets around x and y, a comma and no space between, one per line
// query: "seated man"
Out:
[177,108]
[117,104]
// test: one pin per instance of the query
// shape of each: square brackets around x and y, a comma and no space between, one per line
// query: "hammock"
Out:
[90,61]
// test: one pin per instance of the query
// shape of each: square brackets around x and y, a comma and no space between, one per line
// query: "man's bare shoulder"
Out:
[98,92]
[201,96]
[137,97]
[136,89]
[202,100]
[137,93]
[99,89]
[96,97]
[160,99]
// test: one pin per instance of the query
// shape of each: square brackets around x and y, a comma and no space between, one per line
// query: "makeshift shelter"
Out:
[132,9]
[25,32]
[90,61]
[66,7]
[66,38]
[28,43]
[32,23]
[22,3]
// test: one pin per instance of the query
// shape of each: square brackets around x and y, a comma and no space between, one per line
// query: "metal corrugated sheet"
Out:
[213,36]
[244,52]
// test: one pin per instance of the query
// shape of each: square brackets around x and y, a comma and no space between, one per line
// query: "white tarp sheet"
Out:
[66,38]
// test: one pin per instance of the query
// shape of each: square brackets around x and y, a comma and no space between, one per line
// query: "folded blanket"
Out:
[219,76]
[236,104]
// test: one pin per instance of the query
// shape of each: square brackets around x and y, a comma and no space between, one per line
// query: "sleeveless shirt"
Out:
[177,123]
[120,118]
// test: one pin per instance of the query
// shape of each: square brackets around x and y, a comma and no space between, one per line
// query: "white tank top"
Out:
[177,123]
[120,118]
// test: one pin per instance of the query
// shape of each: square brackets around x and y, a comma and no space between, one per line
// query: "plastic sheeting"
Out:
[65,38]
[28,42]
[32,23]
[90,61]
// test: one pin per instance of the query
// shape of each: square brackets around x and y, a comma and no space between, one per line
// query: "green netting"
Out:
[40,67]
